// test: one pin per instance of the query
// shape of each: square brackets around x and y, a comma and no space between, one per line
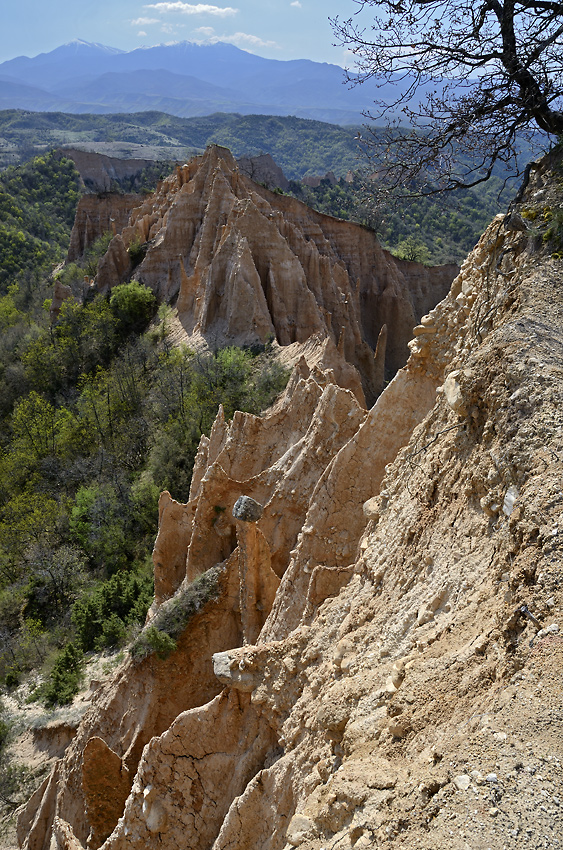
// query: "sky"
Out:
[276,29]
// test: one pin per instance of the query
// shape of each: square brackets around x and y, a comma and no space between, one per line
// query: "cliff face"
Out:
[243,264]
[96,215]
[100,172]
[380,663]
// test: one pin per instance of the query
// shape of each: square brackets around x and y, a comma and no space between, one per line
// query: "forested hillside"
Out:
[299,146]
[98,414]
[429,230]
[37,206]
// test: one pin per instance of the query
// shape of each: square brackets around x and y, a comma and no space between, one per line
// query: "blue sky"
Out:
[277,29]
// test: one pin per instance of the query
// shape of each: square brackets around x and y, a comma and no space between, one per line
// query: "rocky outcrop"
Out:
[315,180]
[97,215]
[244,265]
[99,172]
[263,169]
[381,662]
[61,293]
[292,445]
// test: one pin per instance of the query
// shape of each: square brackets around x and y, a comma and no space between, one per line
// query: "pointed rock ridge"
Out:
[258,582]
[187,757]
[379,358]
[114,266]
[143,700]
[97,215]
[290,448]
[175,522]
[244,264]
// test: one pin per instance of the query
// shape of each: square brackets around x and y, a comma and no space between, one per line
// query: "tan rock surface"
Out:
[263,169]
[98,171]
[398,694]
[97,215]
[61,293]
[106,783]
[243,264]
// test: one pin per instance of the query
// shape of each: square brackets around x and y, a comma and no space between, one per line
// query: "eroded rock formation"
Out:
[97,215]
[244,265]
[401,686]
[263,169]
[99,172]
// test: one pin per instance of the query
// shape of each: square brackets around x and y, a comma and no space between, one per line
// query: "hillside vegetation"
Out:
[299,146]
[37,207]
[98,414]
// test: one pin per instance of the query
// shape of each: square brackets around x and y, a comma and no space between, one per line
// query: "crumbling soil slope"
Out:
[402,688]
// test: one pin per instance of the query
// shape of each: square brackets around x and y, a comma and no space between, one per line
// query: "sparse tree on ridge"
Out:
[473,77]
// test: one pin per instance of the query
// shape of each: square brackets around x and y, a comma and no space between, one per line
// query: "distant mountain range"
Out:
[183,79]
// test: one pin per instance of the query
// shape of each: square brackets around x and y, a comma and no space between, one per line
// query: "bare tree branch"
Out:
[469,81]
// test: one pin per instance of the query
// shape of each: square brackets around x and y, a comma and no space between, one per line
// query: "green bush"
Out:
[153,640]
[137,251]
[4,733]
[133,305]
[13,678]
[102,616]
[174,615]
[65,678]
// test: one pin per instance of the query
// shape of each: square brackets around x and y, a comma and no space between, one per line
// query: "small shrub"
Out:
[65,678]
[159,642]
[554,234]
[4,733]
[137,251]
[13,678]
[133,305]
[174,615]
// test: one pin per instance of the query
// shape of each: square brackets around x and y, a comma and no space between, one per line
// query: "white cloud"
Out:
[243,39]
[144,22]
[297,4]
[191,9]
[141,33]
[206,32]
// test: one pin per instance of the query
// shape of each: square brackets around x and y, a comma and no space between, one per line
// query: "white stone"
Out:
[509,499]
[300,829]
[453,393]
[462,782]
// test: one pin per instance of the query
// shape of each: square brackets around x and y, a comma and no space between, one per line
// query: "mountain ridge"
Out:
[256,84]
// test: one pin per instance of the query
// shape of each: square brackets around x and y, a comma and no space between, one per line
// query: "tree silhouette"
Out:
[473,81]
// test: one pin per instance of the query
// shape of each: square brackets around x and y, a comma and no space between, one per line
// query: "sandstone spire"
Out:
[244,265]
